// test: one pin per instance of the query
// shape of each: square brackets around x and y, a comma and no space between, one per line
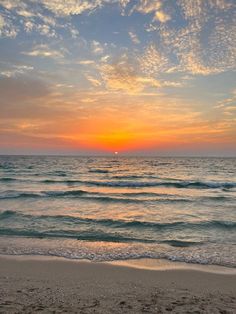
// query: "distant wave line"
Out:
[134,184]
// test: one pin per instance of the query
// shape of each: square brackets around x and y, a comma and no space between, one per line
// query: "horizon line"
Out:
[118,155]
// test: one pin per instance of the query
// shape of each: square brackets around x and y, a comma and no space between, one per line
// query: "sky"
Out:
[139,77]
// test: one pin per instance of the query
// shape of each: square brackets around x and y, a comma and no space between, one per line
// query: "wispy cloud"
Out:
[44,51]
[14,70]
[134,38]
[25,13]
[97,47]
[86,62]
[93,80]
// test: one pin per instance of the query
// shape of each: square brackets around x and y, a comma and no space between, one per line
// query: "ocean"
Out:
[119,208]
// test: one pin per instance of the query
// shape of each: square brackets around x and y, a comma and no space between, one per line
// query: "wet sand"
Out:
[53,285]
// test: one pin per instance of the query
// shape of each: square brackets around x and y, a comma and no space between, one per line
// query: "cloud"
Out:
[221,50]
[203,43]
[34,18]
[45,52]
[28,26]
[85,94]
[123,77]
[192,9]
[161,16]
[105,58]
[14,70]
[74,32]
[86,62]
[133,75]
[95,82]
[46,30]
[47,19]
[96,47]
[7,29]
[148,6]
[228,104]
[2,22]
[134,38]
[77,7]
[207,43]
[45,27]
[192,63]
[25,13]
[153,61]
[9,5]
[71,7]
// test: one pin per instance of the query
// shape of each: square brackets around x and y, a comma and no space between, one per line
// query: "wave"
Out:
[91,236]
[124,223]
[133,177]
[16,195]
[155,164]
[178,243]
[85,195]
[7,179]
[77,193]
[171,183]
[30,194]
[58,173]
[127,197]
[181,184]
[65,193]
[7,213]
[204,254]
[81,194]
[98,171]
[67,234]
[96,196]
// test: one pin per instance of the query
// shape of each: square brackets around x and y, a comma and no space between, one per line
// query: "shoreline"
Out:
[51,284]
[139,263]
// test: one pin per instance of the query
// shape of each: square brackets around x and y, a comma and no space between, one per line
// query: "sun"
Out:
[116,153]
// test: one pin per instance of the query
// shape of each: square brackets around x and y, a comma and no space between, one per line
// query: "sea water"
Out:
[119,208]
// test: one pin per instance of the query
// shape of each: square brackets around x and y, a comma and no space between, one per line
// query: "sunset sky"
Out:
[133,76]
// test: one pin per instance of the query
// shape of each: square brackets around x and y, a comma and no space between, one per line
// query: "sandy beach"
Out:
[53,285]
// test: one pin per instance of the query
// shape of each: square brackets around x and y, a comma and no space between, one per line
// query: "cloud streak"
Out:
[44,51]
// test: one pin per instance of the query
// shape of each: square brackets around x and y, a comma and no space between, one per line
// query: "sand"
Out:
[53,285]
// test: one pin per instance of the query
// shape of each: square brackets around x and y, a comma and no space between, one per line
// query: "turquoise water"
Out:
[116,208]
